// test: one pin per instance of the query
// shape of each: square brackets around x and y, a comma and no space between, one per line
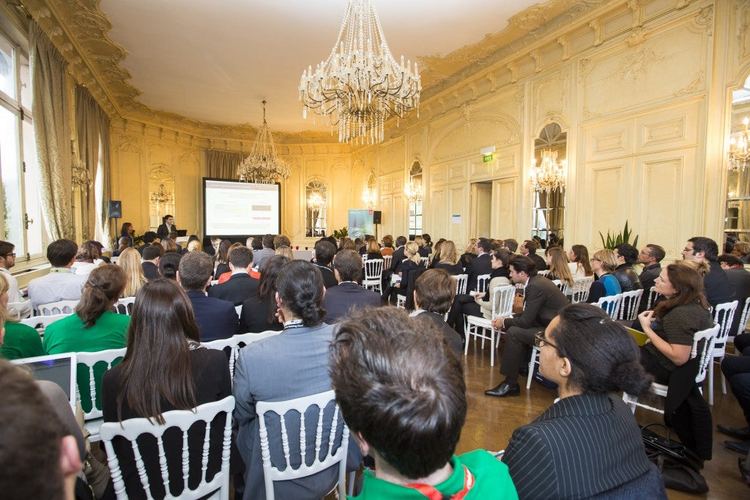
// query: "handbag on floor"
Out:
[678,465]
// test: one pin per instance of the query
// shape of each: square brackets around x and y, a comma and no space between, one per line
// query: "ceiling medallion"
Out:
[361,85]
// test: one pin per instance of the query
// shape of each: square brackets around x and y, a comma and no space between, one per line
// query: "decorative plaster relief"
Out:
[551,95]
[666,64]
[504,162]
[743,30]
[457,172]
[703,22]
[462,141]
[668,131]
[609,143]
[437,173]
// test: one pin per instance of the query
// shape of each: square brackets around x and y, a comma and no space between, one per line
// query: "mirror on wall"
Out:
[413,194]
[160,195]
[548,177]
[737,216]
[316,202]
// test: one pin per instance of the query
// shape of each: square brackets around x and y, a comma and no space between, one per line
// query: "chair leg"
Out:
[711,383]
[492,346]
[532,362]
[723,378]
[467,336]
[350,490]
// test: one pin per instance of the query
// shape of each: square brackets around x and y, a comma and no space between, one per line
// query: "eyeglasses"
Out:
[12,254]
[594,259]
[540,341]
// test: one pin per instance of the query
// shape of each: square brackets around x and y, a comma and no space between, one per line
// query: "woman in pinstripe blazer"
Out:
[588,443]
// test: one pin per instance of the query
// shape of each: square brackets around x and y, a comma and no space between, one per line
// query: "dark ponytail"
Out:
[300,286]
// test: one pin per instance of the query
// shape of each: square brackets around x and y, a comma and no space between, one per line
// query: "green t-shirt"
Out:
[69,335]
[491,480]
[21,341]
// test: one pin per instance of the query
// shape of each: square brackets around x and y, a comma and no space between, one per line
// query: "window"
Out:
[414,195]
[22,217]
[315,219]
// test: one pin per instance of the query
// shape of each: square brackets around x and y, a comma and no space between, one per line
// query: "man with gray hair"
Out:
[216,318]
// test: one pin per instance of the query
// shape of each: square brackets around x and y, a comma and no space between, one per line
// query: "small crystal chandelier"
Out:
[315,202]
[360,85]
[413,191]
[739,155]
[80,177]
[369,197]
[162,196]
[263,164]
[550,175]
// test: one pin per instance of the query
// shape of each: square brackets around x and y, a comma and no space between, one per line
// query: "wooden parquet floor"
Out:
[491,421]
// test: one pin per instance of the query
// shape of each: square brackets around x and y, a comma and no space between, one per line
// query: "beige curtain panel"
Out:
[51,131]
[222,164]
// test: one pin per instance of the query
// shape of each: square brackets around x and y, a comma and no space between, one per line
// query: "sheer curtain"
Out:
[222,164]
[51,132]
[92,125]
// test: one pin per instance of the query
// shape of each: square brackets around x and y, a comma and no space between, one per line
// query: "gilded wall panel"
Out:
[438,210]
[479,169]
[617,21]
[438,173]
[391,156]
[663,219]
[669,128]
[743,32]
[505,208]
[316,168]
[469,138]
[656,7]
[608,140]
[664,65]
[608,207]
[128,184]
[552,96]
[506,161]
[457,171]
[160,153]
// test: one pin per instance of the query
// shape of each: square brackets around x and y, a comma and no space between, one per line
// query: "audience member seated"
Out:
[411,263]
[387,248]
[481,264]
[542,302]
[603,263]
[372,249]
[478,303]
[165,368]
[221,260]
[737,371]
[591,358]
[122,244]
[403,396]
[436,253]
[60,283]
[650,256]
[266,253]
[557,264]
[170,246]
[434,292]
[194,244]
[281,241]
[511,245]
[469,253]
[579,265]
[398,254]
[288,366]
[717,287]
[626,256]
[423,251]
[739,278]
[670,328]
[127,231]
[20,341]
[284,251]
[324,252]
[255,243]
[148,238]
[130,262]
[241,285]
[448,258]
[86,258]
[216,318]
[7,260]
[741,249]
[348,295]
[529,248]
[259,311]
[150,261]
[169,264]
[39,458]
[427,242]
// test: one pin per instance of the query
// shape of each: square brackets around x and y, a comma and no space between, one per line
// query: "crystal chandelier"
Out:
[369,198]
[360,85]
[315,202]
[162,196]
[739,156]
[413,191]
[80,178]
[263,164]
[550,175]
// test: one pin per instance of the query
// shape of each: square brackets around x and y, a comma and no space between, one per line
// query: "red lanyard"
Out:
[433,494]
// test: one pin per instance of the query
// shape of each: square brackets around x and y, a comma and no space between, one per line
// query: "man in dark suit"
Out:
[340,299]
[148,238]
[542,301]
[216,318]
[433,295]
[150,264]
[324,252]
[479,265]
[398,254]
[166,228]
[739,278]
[650,256]
[626,255]
[529,248]
[716,284]
[241,285]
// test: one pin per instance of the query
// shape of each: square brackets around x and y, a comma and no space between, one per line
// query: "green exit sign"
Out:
[487,158]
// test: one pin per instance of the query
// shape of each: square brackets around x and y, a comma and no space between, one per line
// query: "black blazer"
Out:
[542,300]
[340,299]
[150,270]
[216,318]
[396,259]
[450,336]
[254,318]
[454,269]
[236,290]
[718,289]
[539,262]
[481,264]
[162,231]
[329,279]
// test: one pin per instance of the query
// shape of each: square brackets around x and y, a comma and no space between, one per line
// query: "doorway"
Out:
[481,209]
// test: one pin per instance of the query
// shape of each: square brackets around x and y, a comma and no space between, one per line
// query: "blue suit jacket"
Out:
[216,318]
[341,298]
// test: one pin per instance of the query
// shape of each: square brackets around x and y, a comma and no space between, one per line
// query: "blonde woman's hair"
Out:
[559,265]
[413,249]
[285,251]
[419,241]
[471,245]
[608,260]
[5,315]
[130,261]
[449,253]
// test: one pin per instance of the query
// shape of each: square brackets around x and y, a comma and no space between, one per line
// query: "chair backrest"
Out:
[610,304]
[115,259]
[724,317]
[92,383]
[543,273]
[387,261]
[743,319]
[124,305]
[238,309]
[461,280]
[425,262]
[629,306]
[373,269]
[42,322]
[562,286]
[230,348]
[579,292]
[132,429]
[326,437]
[59,307]
[502,301]
[703,346]
[653,295]
[482,281]
[248,338]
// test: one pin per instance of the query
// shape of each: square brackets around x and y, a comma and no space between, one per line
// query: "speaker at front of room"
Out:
[376,217]
[115,209]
